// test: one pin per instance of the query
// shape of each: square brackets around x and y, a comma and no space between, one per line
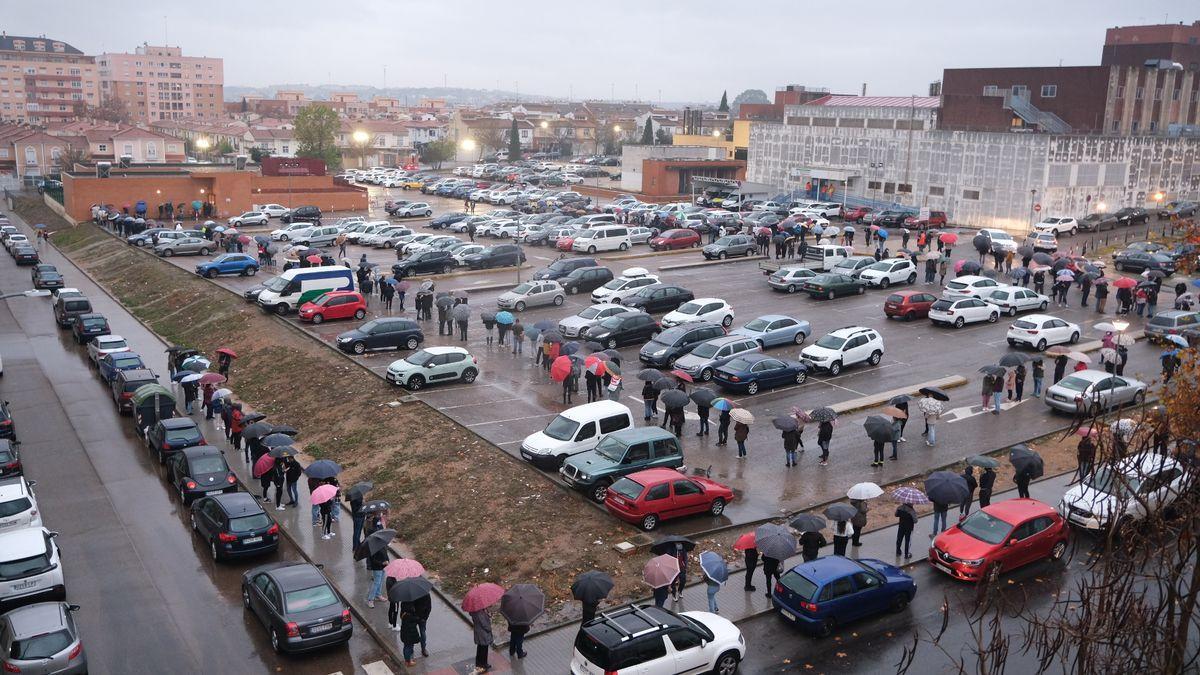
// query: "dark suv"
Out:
[125,383]
[619,454]
[675,342]
[67,308]
[171,435]
[561,268]
[500,255]
[585,279]
[385,333]
[309,214]
[623,329]
[425,262]
[892,218]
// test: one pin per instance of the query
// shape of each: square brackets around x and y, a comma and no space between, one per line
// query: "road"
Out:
[150,597]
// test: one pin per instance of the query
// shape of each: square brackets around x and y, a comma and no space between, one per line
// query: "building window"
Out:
[1153,126]
[905,188]
[103,147]
[1141,91]
[1049,90]
[971,194]
[1133,127]
[1020,90]
[1116,125]
[152,150]
[874,185]
[31,156]
[128,149]
[1176,94]
[935,191]
[1158,94]
[991,90]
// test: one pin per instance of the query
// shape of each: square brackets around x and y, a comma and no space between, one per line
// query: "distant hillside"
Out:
[453,95]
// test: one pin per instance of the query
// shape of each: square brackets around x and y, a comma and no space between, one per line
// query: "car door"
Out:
[689,654]
[765,372]
[869,596]
[838,597]
[855,350]
[1119,391]
[687,497]
[666,452]
[208,519]
[1020,546]
[1058,331]
[447,367]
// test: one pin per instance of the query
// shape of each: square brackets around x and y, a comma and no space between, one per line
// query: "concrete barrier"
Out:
[707,263]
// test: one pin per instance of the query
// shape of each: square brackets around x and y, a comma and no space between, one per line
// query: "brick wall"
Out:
[1079,98]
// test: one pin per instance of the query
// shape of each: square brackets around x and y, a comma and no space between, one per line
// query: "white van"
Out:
[827,256]
[297,286]
[603,238]
[575,430]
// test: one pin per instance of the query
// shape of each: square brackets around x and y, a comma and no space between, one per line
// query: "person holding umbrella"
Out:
[520,606]
[375,550]
[968,475]
[703,412]
[859,520]
[481,631]
[811,542]
[291,477]
[986,480]
[518,337]
[589,589]
[747,545]
[824,418]
[775,544]
[716,573]
[741,432]
[489,325]
[791,441]
[906,522]
[1085,454]
[723,426]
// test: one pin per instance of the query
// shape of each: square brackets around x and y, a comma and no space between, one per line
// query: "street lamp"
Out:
[1101,207]
[468,145]
[716,133]
[1032,199]
[203,144]
[360,138]
[39,293]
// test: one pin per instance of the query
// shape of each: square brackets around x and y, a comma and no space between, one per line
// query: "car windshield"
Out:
[1108,481]
[757,325]
[831,342]
[421,358]
[42,646]
[14,506]
[276,284]
[627,488]
[16,569]
[249,523]
[1074,383]
[309,599]
[586,234]
[615,284]
[323,300]
[706,350]
[1000,235]
[1052,221]
[611,448]
[206,465]
[561,428]
[690,308]
[986,527]
[799,585]
[522,289]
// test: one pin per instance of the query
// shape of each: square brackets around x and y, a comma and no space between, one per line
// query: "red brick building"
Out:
[982,99]
[1134,45]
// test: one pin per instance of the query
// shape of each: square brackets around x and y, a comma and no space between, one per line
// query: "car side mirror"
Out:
[31,483]
[53,535]
[72,608]
[1011,542]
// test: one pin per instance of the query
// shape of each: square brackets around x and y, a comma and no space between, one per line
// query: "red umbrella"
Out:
[212,378]
[958,264]
[948,238]
[1125,282]
[226,350]
[244,239]
[481,597]
[263,465]
[682,375]
[404,568]
[744,542]
[595,365]
[560,368]
[314,259]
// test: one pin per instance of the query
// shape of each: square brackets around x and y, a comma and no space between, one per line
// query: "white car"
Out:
[389,238]
[287,232]
[844,347]
[1106,497]
[414,210]
[18,505]
[767,206]
[33,557]
[460,254]
[433,365]
[1058,226]
[571,179]
[428,244]
[250,218]
[969,286]
[14,239]
[1001,240]
[504,229]
[273,210]
[712,310]
[962,311]
[1013,299]
[1042,330]
[357,233]
[887,272]
[649,640]
[407,242]
[578,324]
[103,345]
[630,282]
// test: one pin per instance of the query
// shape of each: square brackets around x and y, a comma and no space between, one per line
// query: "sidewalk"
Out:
[549,651]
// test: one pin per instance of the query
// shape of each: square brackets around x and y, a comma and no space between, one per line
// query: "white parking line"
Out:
[469,405]
[512,419]
[376,668]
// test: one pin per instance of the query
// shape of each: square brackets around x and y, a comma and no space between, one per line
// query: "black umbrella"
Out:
[1022,459]
[982,243]
[1060,264]
[283,451]
[592,586]
[823,414]
[460,312]
[807,522]
[946,487]
[934,392]
[613,354]
[487,316]
[1025,251]
[878,428]
[256,431]
[897,400]
[673,398]
[774,541]
[360,490]
[702,396]
[444,302]
[1093,269]
[409,589]
[552,336]
[374,543]
[990,273]
[522,604]
[994,371]
[666,544]
[1043,259]
[840,512]
[1012,360]
[983,462]
[322,468]
[1155,274]
[650,375]
[785,423]
[285,429]
[594,347]
[273,440]
[544,325]
[376,505]
[252,418]
[969,267]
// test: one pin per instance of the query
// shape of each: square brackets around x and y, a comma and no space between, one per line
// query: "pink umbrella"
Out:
[314,259]
[404,568]
[322,494]
[661,571]
[244,239]
[481,597]
[212,378]
[948,238]
[265,464]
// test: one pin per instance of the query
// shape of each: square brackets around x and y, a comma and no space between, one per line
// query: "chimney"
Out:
[864,89]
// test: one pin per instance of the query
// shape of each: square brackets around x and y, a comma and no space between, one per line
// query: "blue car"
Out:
[773,330]
[832,591]
[229,263]
[446,220]
[751,372]
[111,364]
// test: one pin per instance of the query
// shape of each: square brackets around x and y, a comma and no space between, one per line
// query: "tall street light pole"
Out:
[360,138]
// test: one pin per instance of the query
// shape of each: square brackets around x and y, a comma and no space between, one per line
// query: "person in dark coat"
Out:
[189,396]
[791,441]
[376,562]
[824,435]
[723,427]
[810,545]
[939,516]
[278,479]
[750,556]
[1085,454]
[986,480]
[841,536]
[903,405]
[516,640]
[481,631]
[968,475]
[1060,368]
[740,433]
[445,323]
[1022,480]
[770,571]
[357,518]
[702,411]
[589,610]
[291,474]
[649,400]
[681,555]
[591,383]
[907,518]
[676,421]
[859,521]
[661,594]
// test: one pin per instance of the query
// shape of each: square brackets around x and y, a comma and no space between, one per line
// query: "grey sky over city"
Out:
[679,51]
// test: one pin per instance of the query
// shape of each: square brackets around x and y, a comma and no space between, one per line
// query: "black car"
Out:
[674,342]
[25,255]
[199,471]
[39,269]
[385,333]
[446,219]
[297,606]
[234,525]
[500,255]
[1132,215]
[624,329]
[10,458]
[425,262]
[1097,222]
[1138,261]
[47,279]
[310,214]
[657,298]
[562,267]
[171,435]
[585,279]
[87,326]
[8,428]
[892,218]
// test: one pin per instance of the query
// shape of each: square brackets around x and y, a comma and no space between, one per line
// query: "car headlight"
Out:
[659,352]
[973,563]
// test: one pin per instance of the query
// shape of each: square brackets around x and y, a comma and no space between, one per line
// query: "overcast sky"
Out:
[686,50]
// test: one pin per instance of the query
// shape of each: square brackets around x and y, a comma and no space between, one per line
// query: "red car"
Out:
[647,498]
[855,214]
[935,219]
[1000,538]
[908,305]
[675,239]
[564,243]
[334,305]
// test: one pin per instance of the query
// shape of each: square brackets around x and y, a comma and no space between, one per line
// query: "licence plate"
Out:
[251,540]
[214,492]
[789,616]
[943,568]
[1056,397]
[321,628]
[618,500]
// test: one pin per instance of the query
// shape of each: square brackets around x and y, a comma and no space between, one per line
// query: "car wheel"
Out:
[717,507]
[572,290]
[1073,231]
[212,549]
[876,357]
[912,278]
[559,300]
[791,288]
[1011,311]
[416,382]
[831,295]
[624,246]
[318,318]
[798,340]
[752,388]
[359,347]
[1139,398]
[835,368]
[469,375]
[722,255]
[825,628]
[1059,549]
[520,307]
[283,237]
[727,321]
[281,309]
[245,598]
[958,323]
[412,343]
[599,492]
[727,664]
[204,251]
[275,643]
[861,290]
[1119,266]
[591,249]
[994,572]
[706,375]
[649,522]
[447,269]
[899,602]
[612,343]
[993,317]
[210,274]
[167,254]
[885,282]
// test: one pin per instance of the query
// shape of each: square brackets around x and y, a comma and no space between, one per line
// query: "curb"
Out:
[875,400]
[650,254]
[710,263]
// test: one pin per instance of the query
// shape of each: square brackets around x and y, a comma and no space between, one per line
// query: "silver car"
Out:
[712,354]
[1093,391]
[789,279]
[577,325]
[532,294]
[730,245]
[40,639]
[185,246]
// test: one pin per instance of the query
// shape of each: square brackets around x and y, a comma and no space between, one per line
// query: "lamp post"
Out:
[360,139]
[468,145]
[1032,198]
[203,144]
[39,293]
[544,125]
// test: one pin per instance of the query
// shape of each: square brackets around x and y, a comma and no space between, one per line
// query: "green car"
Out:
[618,454]
[832,285]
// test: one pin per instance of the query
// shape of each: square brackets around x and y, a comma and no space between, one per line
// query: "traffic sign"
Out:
[1037,207]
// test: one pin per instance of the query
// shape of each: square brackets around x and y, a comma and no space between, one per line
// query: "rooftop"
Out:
[841,101]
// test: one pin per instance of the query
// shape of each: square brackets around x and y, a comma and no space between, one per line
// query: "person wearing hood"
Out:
[859,520]
[968,475]
[1039,375]
[791,441]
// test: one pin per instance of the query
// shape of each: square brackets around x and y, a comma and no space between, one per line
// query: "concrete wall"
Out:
[632,157]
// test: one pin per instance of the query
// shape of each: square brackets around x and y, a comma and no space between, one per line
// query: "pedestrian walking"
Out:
[791,441]
[1039,375]
[750,557]
[376,562]
[841,536]
[518,337]
[931,415]
[1022,479]
[770,571]
[824,435]
[1085,455]
[516,640]
[810,545]
[712,588]
[906,518]
[740,433]
[943,268]
[858,521]
[481,631]
[939,517]
[986,480]
[964,508]
[677,586]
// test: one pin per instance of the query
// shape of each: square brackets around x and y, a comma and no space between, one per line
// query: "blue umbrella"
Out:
[714,567]
[505,318]
[40,226]
[569,348]
[722,404]
[882,233]
[1196,283]
[180,375]
[322,468]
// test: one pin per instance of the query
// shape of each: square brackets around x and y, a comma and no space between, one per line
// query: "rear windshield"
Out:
[77,306]
[100,323]
[15,506]
[896,298]
[1074,383]
[799,585]
[1163,321]
[127,361]
[6,455]
[956,285]
[627,488]
[204,465]
[132,385]
[16,569]
[595,652]
[249,523]
[941,305]
[1024,324]
[183,435]
[309,599]
[42,646]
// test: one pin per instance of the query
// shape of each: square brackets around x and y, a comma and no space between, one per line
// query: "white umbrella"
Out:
[741,415]
[864,491]
[930,406]
[222,393]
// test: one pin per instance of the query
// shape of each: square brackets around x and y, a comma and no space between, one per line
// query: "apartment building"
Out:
[160,83]
[44,80]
